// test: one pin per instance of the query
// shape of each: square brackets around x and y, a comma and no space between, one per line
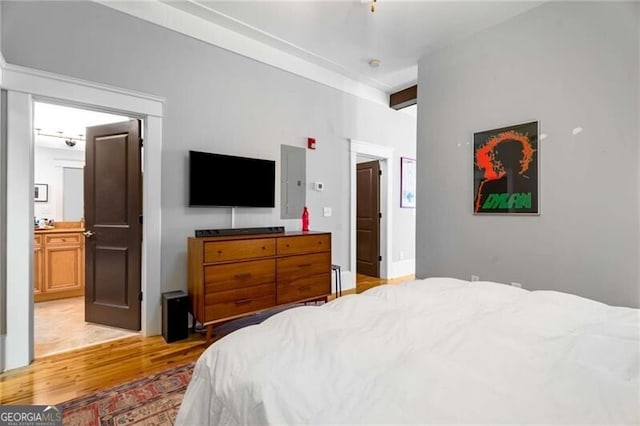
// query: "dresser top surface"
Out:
[55,230]
[255,236]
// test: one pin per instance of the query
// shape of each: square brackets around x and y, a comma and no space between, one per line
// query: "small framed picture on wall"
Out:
[407,182]
[41,192]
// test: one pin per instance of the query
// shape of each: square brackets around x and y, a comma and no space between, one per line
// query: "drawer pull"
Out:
[304,288]
[243,276]
[243,301]
[219,251]
[304,265]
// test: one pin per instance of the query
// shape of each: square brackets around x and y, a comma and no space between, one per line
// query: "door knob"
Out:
[89,234]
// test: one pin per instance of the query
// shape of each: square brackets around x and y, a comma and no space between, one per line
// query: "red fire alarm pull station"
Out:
[311,143]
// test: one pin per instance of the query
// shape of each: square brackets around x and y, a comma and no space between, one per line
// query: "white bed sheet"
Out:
[434,351]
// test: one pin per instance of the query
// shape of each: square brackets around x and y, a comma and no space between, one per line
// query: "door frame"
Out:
[24,86]
[384,155]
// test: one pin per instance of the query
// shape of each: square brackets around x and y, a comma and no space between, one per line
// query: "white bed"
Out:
[430,351]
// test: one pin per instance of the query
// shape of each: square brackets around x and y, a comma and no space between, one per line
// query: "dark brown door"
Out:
[112,208]
[368,219]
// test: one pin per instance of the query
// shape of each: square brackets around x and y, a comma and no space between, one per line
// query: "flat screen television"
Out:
[226,180]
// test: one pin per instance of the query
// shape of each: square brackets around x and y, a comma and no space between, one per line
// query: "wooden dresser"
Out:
[233,276]
[58,263]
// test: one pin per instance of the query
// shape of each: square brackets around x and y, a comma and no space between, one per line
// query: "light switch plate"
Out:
[326,212]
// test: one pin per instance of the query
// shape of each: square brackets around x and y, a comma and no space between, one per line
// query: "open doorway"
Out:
[60,231]
[21,86]
[382,156]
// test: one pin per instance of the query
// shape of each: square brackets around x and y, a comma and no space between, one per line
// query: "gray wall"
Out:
[218,102]
[566,65]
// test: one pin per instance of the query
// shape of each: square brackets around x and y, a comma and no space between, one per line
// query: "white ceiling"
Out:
[65,122]
[342,36]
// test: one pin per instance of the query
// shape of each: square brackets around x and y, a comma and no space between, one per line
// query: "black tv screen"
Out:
[226,180]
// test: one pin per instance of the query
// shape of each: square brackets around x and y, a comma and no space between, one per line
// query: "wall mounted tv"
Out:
[226,180]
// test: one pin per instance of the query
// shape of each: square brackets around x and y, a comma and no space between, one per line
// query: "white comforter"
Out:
[438,350]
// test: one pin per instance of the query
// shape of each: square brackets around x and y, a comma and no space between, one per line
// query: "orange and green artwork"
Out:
[505,173]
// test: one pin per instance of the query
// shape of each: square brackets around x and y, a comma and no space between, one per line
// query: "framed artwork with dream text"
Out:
[505,170]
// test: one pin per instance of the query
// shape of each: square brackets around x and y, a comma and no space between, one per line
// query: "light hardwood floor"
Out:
[57,378]
[364,282]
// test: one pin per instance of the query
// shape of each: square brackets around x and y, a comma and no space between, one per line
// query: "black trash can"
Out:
[175,316]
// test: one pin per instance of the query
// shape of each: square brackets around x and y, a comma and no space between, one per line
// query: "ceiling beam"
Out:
[404,98]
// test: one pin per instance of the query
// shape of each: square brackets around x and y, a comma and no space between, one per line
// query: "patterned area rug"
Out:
[153,400]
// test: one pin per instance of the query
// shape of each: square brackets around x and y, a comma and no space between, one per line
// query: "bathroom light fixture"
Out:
[69,140]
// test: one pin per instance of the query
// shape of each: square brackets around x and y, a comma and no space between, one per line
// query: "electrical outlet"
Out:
[516,284]
[326,212]
[401,255]
[475,278]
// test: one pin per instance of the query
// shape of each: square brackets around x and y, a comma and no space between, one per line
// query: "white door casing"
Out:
[24,85]
[385,155]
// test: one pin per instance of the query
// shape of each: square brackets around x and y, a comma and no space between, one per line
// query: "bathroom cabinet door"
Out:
[58,266]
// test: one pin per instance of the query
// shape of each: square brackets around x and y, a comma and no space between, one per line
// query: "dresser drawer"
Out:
[62,239]
[294,267]
[239,275]
[37,240]
[224,251]
[304,288]
[304,244]
[230,303]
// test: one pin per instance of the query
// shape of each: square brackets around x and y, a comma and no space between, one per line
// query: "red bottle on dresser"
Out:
[305,219]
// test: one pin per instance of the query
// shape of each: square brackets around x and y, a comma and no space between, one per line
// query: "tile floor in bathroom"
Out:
[59,326]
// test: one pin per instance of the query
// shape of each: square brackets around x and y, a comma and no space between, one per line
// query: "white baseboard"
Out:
[398,269]
[402,268]
[348,280]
